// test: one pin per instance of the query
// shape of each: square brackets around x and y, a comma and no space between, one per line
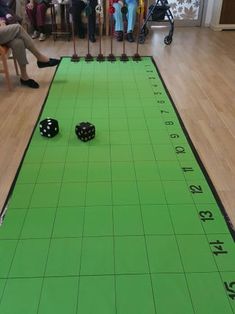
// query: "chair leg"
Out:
[5,68]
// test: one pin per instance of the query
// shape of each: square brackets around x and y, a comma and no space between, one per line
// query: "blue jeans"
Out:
[131,15]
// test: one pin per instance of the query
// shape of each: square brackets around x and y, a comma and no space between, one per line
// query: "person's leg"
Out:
[118,17]
[32,18]
[26,42]
[8,33]
[41,9]
[77,7]
[29,44]
[118,21]
[131,15]
[131,18]
[15,37]
[92,20]
[42,60]
[18,49]
[23,72]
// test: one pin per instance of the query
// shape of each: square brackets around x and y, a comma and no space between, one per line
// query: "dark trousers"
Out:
[37,16]
[77,7]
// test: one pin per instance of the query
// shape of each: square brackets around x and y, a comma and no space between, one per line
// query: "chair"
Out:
[4,52]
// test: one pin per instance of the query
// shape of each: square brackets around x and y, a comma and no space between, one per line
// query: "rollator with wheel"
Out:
[158,12]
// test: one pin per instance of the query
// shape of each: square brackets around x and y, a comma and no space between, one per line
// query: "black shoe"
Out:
[50,63]
[129,37]
[30,83]
[119,35]
[92,38]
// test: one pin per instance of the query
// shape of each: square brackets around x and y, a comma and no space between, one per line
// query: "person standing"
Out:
[36,11]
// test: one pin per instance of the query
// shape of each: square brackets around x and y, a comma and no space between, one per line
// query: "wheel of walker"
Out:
[168,40]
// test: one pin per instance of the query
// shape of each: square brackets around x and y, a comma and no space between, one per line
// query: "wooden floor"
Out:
[199,71]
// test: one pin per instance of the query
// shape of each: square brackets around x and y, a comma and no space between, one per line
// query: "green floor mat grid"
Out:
[124,224]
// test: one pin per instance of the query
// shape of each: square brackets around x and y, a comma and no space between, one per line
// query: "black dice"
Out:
[49,127]
[85,131]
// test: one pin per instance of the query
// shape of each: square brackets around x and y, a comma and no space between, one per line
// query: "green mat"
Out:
[124,224]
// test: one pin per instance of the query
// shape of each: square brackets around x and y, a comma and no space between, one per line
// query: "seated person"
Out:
[77,7]
[131,17]
[7,14]
[15,37]
[36,11]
